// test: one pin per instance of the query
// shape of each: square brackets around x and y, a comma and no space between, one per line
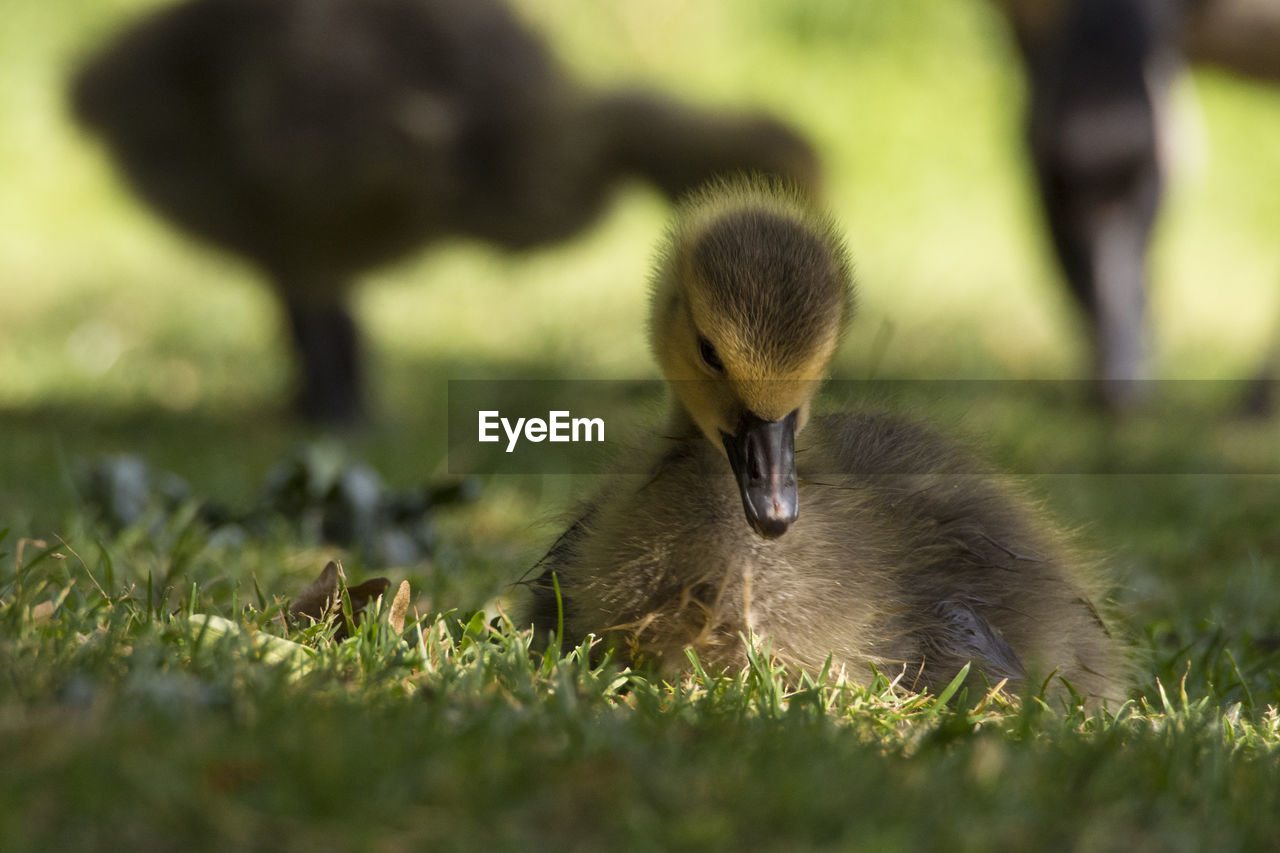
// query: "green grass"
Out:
[129,724]
[123,726]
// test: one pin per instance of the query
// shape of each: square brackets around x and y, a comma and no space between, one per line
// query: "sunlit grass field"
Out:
[123,726]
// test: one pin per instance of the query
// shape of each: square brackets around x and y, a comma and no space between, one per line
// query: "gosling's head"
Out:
[750,300]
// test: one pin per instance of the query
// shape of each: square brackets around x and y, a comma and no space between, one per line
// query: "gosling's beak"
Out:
[763,457]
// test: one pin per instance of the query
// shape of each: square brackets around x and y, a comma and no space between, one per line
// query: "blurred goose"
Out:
[862,536]
[319,138]
[1101,74]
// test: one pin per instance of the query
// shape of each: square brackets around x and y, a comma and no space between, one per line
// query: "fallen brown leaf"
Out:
[322,598]
[399,606]
[318,598]
[43,612]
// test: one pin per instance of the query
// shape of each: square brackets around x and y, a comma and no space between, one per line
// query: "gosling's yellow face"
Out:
[748,311]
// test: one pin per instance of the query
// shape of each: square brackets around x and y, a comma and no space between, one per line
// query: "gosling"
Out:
[860,537]
[321,138]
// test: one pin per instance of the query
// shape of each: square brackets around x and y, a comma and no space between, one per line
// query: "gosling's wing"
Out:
[966,635]
[551,606]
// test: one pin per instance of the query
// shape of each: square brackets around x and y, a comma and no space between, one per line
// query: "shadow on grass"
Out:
[224,450]
[1028,428]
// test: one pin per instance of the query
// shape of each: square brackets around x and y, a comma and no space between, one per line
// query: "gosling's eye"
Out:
[710,357]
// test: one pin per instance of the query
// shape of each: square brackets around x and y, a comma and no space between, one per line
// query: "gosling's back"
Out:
[907,555]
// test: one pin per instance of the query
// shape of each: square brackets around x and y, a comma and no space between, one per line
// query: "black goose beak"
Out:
[763,457]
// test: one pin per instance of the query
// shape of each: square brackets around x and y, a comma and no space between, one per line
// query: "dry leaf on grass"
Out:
[399,606]
[43,611]
[274,650]
[323,597]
